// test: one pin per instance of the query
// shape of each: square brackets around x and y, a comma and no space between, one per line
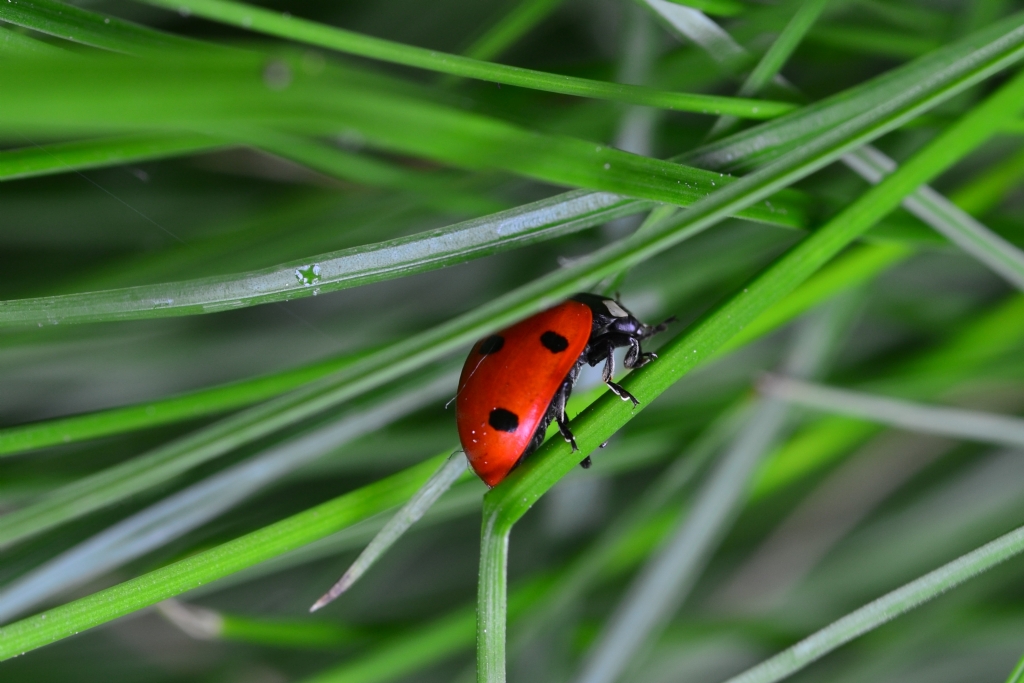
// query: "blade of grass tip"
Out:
[946,218]
[664,582]
[959,227]
[253,18]
[695,26]
[435,487]
[505,504]
[775,58]
[66,157]
[78,25]
[513,26]
[884,609]
[1017,675]
[191,507]
[209,565]
[463,499]
[970,425]
[194,404]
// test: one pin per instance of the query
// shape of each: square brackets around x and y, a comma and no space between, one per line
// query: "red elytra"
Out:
[509,381]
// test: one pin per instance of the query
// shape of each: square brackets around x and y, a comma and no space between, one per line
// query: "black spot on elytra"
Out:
[503,420]
[554,342]
[491,345]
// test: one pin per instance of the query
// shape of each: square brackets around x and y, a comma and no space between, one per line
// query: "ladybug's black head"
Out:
[612,317]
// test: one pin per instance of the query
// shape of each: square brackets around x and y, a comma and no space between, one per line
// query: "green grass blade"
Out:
[67,157]
[513,26]
[884,609]
[210,565]
[411,512]
[782,49]
[440,190]
[195,404]
[1017,675]
[88,28]
[873,41]
[361,265]
[14,44]
[286,26]
[984,193]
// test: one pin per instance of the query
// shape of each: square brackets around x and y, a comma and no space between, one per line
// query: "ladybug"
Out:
[516,381]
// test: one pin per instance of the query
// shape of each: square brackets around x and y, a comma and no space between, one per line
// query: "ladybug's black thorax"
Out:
[613,326]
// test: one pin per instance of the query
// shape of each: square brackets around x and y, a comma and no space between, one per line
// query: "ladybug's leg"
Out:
[635,357]
[608,372]
[558,407]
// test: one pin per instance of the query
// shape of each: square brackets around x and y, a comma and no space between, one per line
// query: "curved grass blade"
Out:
[192,507]
[411,512]
[352,267]
[505,504]
[781,50]
[254,18]
[65,157]
[1017,675]
[971,425]
[210,565]
[884,609]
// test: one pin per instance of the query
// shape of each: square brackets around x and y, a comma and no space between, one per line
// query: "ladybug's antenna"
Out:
[411,512]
